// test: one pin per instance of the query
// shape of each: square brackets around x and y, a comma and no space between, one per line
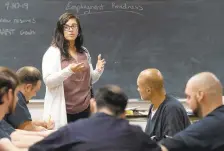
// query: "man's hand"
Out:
[163,148]
[25,139]
[6,145]
[49,124]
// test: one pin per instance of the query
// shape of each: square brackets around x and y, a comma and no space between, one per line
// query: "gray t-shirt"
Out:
[5,129]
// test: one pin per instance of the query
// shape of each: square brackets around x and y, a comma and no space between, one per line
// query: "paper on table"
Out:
[132,108]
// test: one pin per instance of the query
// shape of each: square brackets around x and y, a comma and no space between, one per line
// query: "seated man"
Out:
[106,130]
[8,100]
[204,96]
[166,115]
[30,83]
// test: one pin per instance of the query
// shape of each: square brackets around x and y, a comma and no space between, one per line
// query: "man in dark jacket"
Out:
[167,115]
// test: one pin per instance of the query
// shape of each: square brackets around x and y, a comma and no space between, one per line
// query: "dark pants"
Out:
[74,117]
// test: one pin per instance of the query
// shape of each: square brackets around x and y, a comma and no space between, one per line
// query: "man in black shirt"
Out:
[106,130]
[167,115]
[204,96]
[30,83]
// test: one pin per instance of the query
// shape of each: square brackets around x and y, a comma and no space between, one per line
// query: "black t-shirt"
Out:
[100,132]
[21,114]
[205,135]
[5,129]
[169,119]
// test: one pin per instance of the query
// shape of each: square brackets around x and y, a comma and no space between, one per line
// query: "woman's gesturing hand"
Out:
[100,63]
[77,67]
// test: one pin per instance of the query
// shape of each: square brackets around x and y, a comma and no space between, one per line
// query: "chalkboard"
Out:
[179,37]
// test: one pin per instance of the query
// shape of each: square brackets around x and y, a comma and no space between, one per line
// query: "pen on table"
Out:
[49,118]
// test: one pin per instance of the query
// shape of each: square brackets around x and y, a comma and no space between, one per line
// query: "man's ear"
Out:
[7,96]
[123,115]
[200,96]
[28,87]
[148,90]
[93,107]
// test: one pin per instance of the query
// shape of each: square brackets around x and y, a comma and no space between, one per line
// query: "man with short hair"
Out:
[167,115]
[30,83]
[204,96]
[8,89]
[106,130]
[8,99]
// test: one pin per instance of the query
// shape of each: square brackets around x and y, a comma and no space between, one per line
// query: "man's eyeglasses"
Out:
[68,28]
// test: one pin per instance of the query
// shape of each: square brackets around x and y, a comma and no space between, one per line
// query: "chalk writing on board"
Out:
[24,21]
[4,20]
[7,32]
[111,12]
[84,7]
[16,5]
[18,21]
[27,32]
[126,6]
[11,32]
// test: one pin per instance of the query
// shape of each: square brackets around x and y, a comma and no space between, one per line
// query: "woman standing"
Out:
[68,73]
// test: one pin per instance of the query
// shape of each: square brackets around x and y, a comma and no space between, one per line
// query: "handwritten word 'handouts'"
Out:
[7,32]
[126,6]
[83,7]
[16,5]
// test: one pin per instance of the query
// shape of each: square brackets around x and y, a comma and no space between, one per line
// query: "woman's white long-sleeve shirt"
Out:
[53,77]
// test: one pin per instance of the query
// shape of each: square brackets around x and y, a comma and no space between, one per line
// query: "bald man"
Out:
[204,96]
[167,116]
